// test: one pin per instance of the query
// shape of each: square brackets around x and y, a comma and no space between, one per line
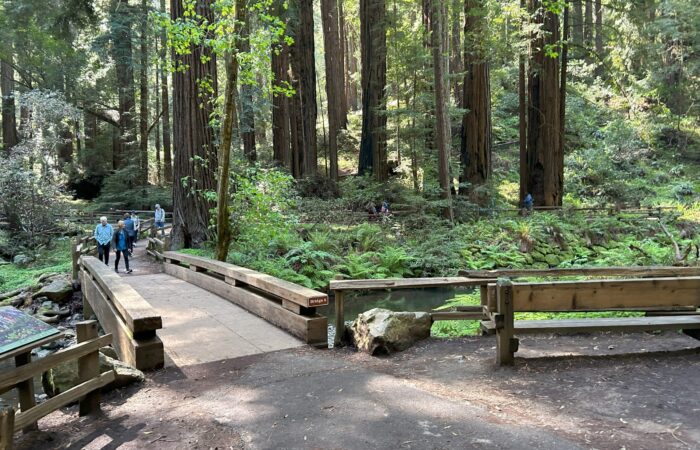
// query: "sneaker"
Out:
[129,271]
[116,270]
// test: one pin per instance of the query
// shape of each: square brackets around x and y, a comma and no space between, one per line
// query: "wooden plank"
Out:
[138,315]
[291,306]
[404,283]
[7,428]
[491,297]
[11,377]
[641,271]
[142,353]
[339,318]
[608,324]
[593,295]
[456,315]
[304,327]
[282,289]
[505,342]
[25,418]
[32,345]
[88,367]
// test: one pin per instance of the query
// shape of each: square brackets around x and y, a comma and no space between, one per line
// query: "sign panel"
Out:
[18,329]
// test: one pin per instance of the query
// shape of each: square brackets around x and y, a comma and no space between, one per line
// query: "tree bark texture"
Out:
[577,22]
[143,106]
[9,118]
[476,123]
[522,114]
[280,107]
[247,120]
[442,122]
[165,101]
[373,46]
[351,68]
[195,160]
[342,50]
[335,70]
[588,27]
[545,155]
[456,61]
[562,89]
[303,106]
[599,50]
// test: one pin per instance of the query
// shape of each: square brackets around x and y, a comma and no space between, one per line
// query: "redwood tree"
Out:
[335,77]
[9,119]
[195,159]
[165,101]
[280,103]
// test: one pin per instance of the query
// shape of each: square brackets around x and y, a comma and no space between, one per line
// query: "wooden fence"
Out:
[86,352]
[124,313]
[284,304]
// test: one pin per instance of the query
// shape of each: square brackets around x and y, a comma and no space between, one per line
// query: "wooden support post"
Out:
[88,367]
[26,390]
[339,318]
[7,428]
[483,291]
[166,243]
[506,344]
[76,258]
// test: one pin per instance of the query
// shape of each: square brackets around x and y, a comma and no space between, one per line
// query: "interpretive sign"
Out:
[18,329]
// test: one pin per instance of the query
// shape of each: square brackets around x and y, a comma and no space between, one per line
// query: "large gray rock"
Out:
[380,331]
[65,376]
[21,260]
[59,290]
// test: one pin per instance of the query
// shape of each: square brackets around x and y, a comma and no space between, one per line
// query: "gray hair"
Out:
[103,219]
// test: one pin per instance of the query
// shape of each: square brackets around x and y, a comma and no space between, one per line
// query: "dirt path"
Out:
[440,394]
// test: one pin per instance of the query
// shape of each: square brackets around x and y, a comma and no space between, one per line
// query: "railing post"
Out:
[7,427]
[26,390]
[506,344]
[75,258]
[88,367]
[339,318]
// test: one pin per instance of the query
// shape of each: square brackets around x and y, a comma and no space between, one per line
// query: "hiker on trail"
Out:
[120,240]
[385,208]
[137,227]
[103,236]
[130,228]
[527,203]
[160,219]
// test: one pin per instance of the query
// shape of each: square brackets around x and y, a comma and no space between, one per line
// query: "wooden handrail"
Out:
[640,271]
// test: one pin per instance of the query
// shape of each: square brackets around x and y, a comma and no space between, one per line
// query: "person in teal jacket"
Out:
[120,241]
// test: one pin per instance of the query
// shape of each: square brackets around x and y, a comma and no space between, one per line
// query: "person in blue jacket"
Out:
[130,227]
[103,236]
[120,241]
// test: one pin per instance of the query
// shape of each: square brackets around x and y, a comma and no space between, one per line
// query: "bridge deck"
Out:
[198,326]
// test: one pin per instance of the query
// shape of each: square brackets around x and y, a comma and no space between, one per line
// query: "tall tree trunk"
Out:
[143,80]
[588,28]
[303,108]
[545,155]
[223,220]
[195,159]
[577,23]
[351,68]
[121,29]
[522,116]
[456,62]
[280,107]
[476,123]
[165,101]
[599,50]
[334,79]
[247,120]
[373,44]
[9,118]
[342,49]
[442,122]
[562,91]
[159,162]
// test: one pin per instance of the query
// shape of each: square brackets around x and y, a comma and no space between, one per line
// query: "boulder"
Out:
[59,290]
[380,331]
[65,376]
[21,260]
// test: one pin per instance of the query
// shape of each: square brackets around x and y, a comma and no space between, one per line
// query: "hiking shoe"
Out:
[129,271]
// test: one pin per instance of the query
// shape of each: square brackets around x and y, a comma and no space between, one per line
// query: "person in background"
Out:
[528,202]
[103,236]
[130,232]
[137,227]
[159,219]
[120,240]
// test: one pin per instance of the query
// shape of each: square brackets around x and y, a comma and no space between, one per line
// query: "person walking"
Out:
[137,227]
[120,240]
[130,228]
[159,219]
[103,236]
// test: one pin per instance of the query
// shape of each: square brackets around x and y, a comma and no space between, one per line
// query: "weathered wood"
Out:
[491,297]
[88,366]
[642,271]
[280,288]
[144,353]
[25,390]
[137,314]
[312,330]
[456,315]
[294,307]
[28,348]
[505,342]
[339,317]
[25,372]
[628,324]
[7,428]
[593,295]
[26,418]
[404,283]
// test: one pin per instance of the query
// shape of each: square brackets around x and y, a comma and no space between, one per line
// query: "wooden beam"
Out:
[282,289]
[25,389]
[339,318]
[608,324]
[26,418]
[596,295]
[404,283]
[88,366]
[7,428]
[506,344]
[642,271]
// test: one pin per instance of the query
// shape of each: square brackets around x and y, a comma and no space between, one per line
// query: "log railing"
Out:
[124,313]
[86,352]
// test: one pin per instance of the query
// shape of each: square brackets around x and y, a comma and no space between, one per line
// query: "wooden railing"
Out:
[124,313]
[82,246]
[287,305]
[86,352]
[157,246]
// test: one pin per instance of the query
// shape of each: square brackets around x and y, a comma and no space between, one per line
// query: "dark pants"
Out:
[103,252]
[130,242]
[119,253]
